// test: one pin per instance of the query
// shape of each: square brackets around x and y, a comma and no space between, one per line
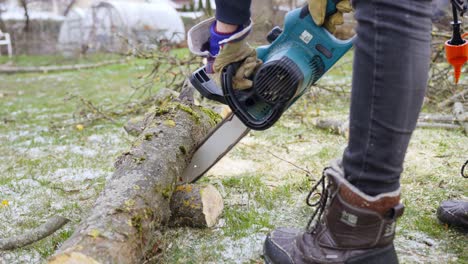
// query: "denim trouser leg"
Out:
[391,64]
[234,12]
[390,71]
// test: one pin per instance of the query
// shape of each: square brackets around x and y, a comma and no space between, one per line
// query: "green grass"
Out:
[51,168]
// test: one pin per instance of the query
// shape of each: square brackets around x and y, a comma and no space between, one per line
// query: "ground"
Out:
[54,163]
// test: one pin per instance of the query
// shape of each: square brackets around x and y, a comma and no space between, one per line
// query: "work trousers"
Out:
[390,71]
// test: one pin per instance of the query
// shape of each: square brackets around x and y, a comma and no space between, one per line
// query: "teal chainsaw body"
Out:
[296,58]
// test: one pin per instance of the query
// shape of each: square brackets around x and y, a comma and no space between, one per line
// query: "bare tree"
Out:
[24,4]
[2,10]
[69,7]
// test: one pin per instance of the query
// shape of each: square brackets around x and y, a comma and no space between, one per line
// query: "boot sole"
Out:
[386,255]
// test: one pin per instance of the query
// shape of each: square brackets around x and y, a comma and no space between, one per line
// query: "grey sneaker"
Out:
[454,213]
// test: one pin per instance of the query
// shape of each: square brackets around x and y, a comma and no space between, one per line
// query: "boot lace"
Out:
[317,198]
[463,169]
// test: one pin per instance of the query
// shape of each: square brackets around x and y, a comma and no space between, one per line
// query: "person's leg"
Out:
[231,16]
[391,64]
[222,40]
[233,12]
[358,208]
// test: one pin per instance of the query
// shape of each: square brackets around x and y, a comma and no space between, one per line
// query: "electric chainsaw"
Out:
[297,57]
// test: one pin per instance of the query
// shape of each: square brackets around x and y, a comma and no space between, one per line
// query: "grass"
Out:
[50,167]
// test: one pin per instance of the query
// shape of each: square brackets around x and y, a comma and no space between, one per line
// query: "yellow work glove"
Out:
[318,8]
[237,51]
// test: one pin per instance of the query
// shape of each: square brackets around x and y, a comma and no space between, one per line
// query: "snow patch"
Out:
[231,167]
[20,256]
[78,150]
[417,247]
[244,249]
[75,175]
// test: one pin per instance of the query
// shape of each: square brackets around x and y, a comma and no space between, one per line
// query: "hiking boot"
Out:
[351,226]
[454,214]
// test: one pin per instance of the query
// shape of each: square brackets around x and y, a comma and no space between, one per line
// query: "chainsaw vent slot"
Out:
[277,81]
[318,69]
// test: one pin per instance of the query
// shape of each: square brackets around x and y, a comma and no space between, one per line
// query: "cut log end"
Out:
[196,206]
[73,258]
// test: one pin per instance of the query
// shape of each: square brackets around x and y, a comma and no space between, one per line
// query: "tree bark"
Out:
[123,225]
[263,16]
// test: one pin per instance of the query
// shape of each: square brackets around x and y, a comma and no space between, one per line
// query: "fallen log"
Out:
[339,127]
[460,115]
[437,125]
[123,225]
[36,234]
[442,118]
[57,68]
[196,205]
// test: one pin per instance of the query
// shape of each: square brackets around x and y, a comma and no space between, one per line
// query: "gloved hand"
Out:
[237,51]
[317,9]
[232,49]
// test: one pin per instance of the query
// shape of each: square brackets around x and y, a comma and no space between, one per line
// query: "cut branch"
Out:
[43,231]
[456,97]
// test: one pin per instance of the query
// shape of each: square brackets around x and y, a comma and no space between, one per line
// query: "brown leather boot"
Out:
[355,227]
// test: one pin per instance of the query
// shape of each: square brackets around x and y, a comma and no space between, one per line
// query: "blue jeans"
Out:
[391,64]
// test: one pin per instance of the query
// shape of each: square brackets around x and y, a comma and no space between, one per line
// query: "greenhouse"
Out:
[120,27]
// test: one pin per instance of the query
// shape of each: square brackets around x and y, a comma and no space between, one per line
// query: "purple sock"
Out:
[216,37]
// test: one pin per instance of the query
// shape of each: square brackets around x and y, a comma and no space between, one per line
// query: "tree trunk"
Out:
[24,5]
[263,16]
[69,7]
[123,225]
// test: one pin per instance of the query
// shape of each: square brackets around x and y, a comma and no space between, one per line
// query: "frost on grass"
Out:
[44,177]
[47,172]
[20,257]
[417,247]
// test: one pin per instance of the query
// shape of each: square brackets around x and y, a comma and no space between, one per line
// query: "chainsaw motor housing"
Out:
[295,59]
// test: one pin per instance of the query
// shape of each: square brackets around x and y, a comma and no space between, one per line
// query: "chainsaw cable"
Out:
[320,203]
